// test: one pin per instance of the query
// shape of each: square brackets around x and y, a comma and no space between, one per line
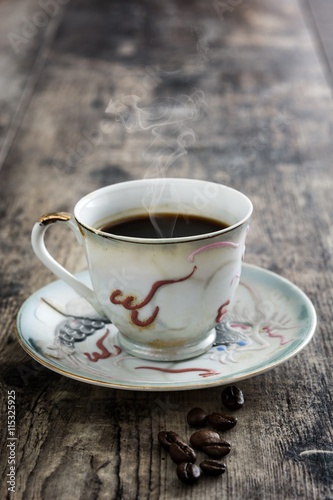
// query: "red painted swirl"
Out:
[95,356]
[207,372]
[127,302]
[222,312]
[137,322]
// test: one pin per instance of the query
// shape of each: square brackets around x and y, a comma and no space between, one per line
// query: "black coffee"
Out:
[163,225]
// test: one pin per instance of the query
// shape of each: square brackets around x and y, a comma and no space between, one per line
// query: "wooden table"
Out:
[263,68]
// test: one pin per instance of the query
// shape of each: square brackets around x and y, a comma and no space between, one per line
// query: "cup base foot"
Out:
[174,353]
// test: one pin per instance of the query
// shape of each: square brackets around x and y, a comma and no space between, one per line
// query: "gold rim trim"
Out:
[209,385]
[52,217]
[160,388]
[198,386]
[162,241]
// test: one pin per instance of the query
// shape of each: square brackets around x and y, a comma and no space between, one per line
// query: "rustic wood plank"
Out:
[319,15]
[267,132]
[27,29]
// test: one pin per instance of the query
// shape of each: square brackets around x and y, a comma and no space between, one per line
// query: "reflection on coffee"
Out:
[163,225]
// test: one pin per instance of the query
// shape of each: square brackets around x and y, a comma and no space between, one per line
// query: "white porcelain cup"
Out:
[165,295]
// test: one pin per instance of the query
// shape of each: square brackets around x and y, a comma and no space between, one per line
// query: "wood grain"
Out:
[266,131]
[319,16]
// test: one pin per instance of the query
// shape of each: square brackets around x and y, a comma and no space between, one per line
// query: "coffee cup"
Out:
[166,291]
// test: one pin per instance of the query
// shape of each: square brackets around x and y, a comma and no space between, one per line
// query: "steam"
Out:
[169,121]
[162,112]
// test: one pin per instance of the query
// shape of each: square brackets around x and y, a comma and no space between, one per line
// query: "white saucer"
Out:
[270,321]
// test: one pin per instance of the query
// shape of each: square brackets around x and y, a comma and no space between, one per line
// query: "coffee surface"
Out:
[163,225]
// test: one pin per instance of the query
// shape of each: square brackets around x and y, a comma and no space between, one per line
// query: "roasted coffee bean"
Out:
[221,422]
[216,450]
[188,473]
[199,438]
[213,467]
[182,452]
[232,398]
[197,417]
[166,438]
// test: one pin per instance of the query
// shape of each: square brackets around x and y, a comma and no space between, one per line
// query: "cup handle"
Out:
[38,245]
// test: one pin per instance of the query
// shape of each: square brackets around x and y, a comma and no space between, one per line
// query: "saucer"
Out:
[270,321]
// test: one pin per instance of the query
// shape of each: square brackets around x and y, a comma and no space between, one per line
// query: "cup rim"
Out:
[158,241]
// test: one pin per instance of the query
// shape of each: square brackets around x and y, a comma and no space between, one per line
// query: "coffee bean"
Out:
[221,422]
[182,452]
[197,417]
[200,438]
[216,450]
[166,438]
[232,398]
[188,473]
[212,467]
